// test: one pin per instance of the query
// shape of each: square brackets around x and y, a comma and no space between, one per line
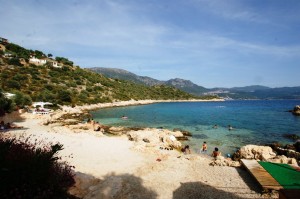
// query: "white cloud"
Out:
[116,34]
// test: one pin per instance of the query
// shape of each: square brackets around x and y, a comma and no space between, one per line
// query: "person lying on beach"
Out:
[216,153]
[11,126]
[2,125]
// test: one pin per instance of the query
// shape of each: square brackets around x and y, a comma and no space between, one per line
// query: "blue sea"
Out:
[253,121]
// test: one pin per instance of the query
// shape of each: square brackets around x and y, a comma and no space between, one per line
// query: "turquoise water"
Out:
[254,121]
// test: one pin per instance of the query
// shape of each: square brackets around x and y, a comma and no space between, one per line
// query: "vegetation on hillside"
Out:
[27,171]
[70,84]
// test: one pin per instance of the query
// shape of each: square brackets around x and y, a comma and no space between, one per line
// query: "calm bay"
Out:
[253,121]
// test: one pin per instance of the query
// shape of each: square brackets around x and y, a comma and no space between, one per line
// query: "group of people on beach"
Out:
[215,153]
[7,126]
[95,124]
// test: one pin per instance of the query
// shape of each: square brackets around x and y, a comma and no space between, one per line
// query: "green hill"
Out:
[184,85]
[68,84]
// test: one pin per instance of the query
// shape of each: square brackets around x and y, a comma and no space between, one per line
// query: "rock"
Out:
[184,132]
[116,130]
[284,160]
[221,161]
[146,140]
[279,159]
[296,110]
[182,138]
[297,145]
[142,135]
[289,151]
[155,137]
[70,122]
[256,152]
[293,137]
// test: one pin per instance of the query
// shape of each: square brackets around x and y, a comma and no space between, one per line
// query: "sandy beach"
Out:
[115,167]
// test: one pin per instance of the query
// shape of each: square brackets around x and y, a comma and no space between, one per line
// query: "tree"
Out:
[6,105]
[39,54]
[50,55]
[21,99]
[13,84]
[20,51]
[64,61]
[64,96]
[14,61]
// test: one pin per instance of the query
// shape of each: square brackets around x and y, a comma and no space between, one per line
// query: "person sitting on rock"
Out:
[97,126]
[186,149]
[216,152]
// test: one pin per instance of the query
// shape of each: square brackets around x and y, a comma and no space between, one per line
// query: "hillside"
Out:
[60,82]
[187,86]
[184,85]
[126,75]
[257,92]
[247,92]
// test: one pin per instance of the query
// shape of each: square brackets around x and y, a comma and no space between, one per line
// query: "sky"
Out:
[213,43]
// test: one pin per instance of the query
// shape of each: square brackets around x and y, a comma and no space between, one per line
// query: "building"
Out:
[3,40]
[9,95]
[8,55]
[36,61]
[53,63]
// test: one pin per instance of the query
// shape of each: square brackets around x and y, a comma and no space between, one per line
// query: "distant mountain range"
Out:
[247,92]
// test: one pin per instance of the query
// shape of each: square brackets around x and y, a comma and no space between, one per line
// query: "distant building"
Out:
[3,40]
[8,55]
[53,63]
[36,61]
[9,95]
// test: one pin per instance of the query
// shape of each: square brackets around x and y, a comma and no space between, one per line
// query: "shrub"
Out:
[6,105]
[21,99]
[14,61]
[30,172]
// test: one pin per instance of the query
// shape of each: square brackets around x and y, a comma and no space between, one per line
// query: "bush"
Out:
[30,172]
[14,61]
[21,99]
[6,105]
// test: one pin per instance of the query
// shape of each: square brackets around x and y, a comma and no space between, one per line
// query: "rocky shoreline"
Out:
[152,137]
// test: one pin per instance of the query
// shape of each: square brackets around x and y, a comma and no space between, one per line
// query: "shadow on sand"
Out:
[130,186]
[15,116]
[200,190]
[111,186]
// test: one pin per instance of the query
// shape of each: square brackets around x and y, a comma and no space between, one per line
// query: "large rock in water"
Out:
[296,110]
[256,152]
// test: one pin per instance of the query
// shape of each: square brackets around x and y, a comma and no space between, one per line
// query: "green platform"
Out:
[286,175]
